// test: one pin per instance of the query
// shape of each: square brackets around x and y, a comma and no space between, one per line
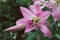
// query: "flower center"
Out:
[36,20]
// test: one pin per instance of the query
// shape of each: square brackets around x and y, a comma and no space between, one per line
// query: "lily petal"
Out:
[45,15]
[33,9]
[23,20]
[58,11]
[16,27]
[37,7]
[49,4]
[45,30]
[27,13]
[53,1]
[29,28]
[54,13]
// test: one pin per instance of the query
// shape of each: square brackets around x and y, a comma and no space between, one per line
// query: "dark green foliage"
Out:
[36,35]
[46,9]
[33,35]
[9,13]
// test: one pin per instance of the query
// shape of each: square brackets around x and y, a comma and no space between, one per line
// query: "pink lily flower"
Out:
[33,19]
[46,3]
[56,12]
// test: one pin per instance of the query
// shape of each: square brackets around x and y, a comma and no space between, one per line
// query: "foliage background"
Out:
[10,12]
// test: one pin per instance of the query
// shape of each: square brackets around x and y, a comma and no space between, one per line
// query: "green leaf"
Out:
[58,36]
[58,23]
[32,35]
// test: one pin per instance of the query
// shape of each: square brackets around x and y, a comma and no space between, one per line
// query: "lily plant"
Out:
[34,18]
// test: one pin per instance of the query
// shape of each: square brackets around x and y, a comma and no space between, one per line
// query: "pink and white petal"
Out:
[58,11]
[45,30]
[35,0]
[45,15]
[55,16]
[53,1]
[43,21]
[38,8]
[33,9]
[22,20]
[29,28]
[16,27]
[55,19]
[55,13]
[49,4]
[27,13]
[54,9]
